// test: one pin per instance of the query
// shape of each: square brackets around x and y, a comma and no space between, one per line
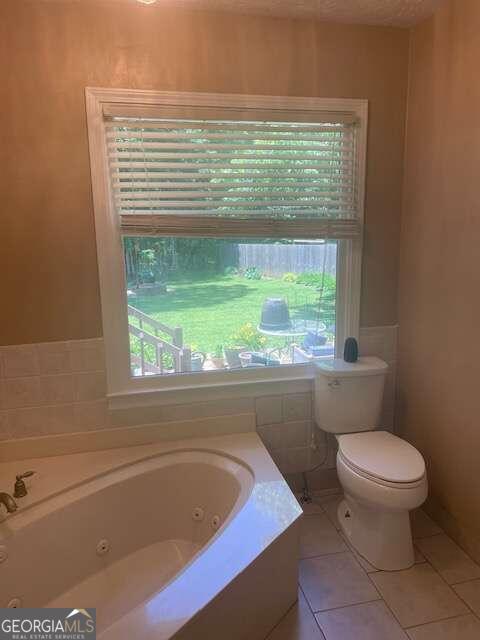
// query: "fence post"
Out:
[177,336]
[186,359]
[142,355]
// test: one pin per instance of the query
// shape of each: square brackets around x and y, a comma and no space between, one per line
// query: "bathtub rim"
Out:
[40,507]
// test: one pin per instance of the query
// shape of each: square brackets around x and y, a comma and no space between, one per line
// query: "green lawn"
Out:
[211,310]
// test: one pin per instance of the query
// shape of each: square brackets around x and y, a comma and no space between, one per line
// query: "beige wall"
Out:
[439,349]
[52,50]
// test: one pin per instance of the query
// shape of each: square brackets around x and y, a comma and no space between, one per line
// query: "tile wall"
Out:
[60,387]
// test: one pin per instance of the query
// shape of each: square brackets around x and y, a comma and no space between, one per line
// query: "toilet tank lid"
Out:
[382,455]
[338,368]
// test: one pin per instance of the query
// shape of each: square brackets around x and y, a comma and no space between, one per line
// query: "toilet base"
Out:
[383,538]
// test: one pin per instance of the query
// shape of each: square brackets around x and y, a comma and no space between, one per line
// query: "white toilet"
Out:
[383,477]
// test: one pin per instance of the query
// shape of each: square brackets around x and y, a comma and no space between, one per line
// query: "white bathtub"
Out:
[188,542]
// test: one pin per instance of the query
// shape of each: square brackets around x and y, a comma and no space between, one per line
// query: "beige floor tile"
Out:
[325,493]
[369,568]
[298,624]
[470,592]
[318,537]
[335,581]
[448,559]
[371,621]
[330,506]
[418,595]
[422,525]
[464,628]
[309,508]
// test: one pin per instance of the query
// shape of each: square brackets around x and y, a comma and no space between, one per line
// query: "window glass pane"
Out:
[200,304]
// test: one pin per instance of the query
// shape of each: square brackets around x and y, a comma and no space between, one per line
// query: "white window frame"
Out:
[125,390]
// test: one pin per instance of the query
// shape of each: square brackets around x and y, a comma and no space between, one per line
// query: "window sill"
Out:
[211,386]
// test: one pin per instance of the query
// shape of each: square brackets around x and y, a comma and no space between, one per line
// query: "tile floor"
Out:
[342,597]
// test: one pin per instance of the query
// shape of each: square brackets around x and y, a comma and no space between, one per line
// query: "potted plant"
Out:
[251,340]
[232,356]
[215,360]
[197,359]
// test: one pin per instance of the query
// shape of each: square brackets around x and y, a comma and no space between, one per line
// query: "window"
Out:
[228,233]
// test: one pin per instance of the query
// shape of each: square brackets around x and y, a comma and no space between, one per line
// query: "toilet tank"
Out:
[348,396]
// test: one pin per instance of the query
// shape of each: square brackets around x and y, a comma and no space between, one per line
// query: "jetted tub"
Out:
[184,542]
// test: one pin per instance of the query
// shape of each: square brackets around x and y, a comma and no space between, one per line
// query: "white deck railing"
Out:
[147,331]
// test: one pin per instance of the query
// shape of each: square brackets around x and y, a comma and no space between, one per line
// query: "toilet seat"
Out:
[382,458]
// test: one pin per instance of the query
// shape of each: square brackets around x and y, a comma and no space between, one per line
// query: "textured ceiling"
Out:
[403,13]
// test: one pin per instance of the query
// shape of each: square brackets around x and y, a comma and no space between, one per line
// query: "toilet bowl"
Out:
[383,478]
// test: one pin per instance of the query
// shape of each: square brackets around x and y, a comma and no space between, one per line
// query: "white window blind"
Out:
[234,171]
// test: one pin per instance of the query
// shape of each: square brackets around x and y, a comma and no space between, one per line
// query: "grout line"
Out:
[381,598]
[454,584]
[453,592]
[347,606]
[295,604]
[430,535]
[425,624]
[369,576]
[477,615]
[311,610]
[325,555]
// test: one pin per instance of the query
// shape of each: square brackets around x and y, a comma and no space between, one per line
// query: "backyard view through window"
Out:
[229,234]
[200,304]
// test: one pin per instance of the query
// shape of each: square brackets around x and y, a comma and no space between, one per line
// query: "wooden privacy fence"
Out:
[277,259]
[147,332]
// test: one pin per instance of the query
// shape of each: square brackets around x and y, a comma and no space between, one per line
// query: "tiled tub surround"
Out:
[60,387]
[342,597]
[49,388]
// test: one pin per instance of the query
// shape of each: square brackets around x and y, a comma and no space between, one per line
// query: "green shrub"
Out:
[249,337]
[317,280]
[252,273]
[289,277]
[218,351]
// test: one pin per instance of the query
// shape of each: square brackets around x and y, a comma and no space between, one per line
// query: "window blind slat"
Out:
[219,170]
[212,226]
[158,196]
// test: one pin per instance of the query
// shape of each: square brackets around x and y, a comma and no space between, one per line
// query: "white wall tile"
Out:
[297,460]
[4,426]
[272,436]
[67,382]
[379,341]
[90,385]
[269,410]
[296,434]
[279,457]
[60,419]
[187,411]
[297,406]
[32,421]
[19,361]
[86,356]
[22,392]
[53,357]
[90,415]
[57,389]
